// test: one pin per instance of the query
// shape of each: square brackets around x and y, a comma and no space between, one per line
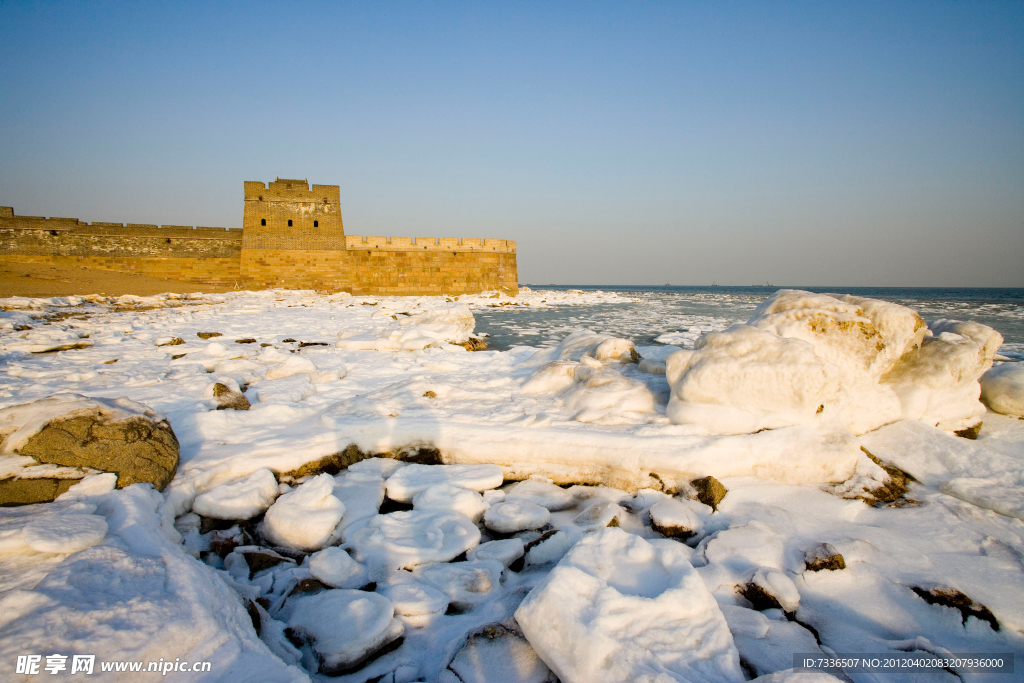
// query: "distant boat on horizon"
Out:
[715,284]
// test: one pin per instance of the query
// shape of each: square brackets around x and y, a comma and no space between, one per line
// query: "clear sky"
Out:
[817,143]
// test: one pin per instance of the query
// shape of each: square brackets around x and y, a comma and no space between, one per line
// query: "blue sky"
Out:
[618,143]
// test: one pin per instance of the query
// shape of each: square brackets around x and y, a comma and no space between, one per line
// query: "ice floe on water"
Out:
[643,487]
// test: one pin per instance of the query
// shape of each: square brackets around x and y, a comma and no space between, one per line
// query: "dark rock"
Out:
[109,362]
[261,560]
[229,399]
[208,335]
[970,432]
[758,597]
[17,491]
[710,491]
[473,344]
[822,557]
[893,490]
[950,597]
[175,341]
[310,585]
[303,345]
[429,394]
[254,615]
[247,340]
[139,448]
[289,340]
[178,355]
[331,464]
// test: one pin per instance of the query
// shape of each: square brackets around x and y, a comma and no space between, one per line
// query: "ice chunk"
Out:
[617,608]
[552,377]
[466,584]
[506,551]
[343,627]
[605,396]
[499,655]
[938,382]
[451,498]
[402,540]
[550,547]
[600,513]
[590,344]
[404,484]
[513,515]
[744,379]
[542,492]
[336,568]
[306,517]
[767,645]
[66,533]
[293,365]
[415,599]
[362,492]
[1002,389]
[240,499]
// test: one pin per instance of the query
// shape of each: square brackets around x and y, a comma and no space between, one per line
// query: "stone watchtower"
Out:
[292,236]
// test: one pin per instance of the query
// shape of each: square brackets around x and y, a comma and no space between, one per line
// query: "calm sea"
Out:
[678,315]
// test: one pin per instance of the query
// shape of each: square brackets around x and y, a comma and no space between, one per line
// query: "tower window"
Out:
[263,221]
[289,222]
[316,224]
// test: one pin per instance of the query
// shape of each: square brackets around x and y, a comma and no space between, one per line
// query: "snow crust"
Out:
[403,540]
[510,516]
[407,482]
[64,533]
[336,568]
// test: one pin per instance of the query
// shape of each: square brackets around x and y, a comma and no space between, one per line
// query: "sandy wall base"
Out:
[212,271]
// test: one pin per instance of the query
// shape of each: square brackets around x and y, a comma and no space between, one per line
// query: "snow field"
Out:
[955,530]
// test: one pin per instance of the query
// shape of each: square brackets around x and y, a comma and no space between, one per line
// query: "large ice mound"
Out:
[804,357]
[619,608]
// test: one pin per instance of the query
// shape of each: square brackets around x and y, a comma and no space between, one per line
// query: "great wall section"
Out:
[292,237]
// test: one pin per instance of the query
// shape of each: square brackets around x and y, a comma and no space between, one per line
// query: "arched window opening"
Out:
[316,224]
[263,221]
[289,222]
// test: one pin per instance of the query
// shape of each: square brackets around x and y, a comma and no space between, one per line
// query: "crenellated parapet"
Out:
[446,244]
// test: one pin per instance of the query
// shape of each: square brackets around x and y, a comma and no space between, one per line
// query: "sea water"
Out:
[678,315]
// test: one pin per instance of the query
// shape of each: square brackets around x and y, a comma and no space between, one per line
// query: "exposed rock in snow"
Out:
[402,540]
[542,492]
[466,584]
[451,498]
[1002,389]
[496,654]
[335,568]
[824,556]
[344,628]
[675,519]
[226,395]
[779,586]
[510,516]
[506,551]
[305,518]
[64,533]
[240,499]
[404,484]
[111,435]
[617,608]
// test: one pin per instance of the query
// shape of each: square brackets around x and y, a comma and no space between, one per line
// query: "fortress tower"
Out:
[292,236]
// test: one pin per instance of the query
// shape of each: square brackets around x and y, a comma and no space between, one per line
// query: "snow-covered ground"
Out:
[435,580]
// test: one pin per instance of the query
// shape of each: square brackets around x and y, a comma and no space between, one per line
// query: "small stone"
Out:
[822,557]
[247,340]
[674,519]
[207,335]
[429,394]
[229,399]
[473,344]
[109,362]
[710,491]
[308,586]
[173,341]
[970,432]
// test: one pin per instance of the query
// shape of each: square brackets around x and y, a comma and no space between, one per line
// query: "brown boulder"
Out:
[118,436]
